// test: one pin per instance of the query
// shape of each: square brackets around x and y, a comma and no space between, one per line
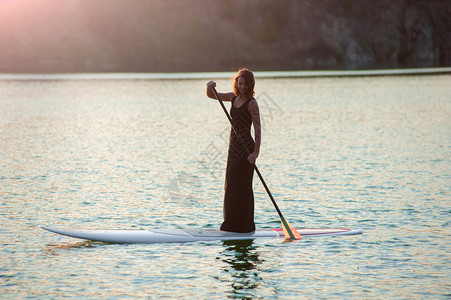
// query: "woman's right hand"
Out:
[211,84]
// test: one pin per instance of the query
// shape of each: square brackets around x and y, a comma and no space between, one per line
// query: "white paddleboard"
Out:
[142,236]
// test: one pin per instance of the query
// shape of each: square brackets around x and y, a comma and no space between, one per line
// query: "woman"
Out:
[239,196]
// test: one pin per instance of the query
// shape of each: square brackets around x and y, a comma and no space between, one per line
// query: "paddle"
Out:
[288,230]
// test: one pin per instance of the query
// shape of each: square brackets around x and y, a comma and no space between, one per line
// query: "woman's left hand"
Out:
[252,158]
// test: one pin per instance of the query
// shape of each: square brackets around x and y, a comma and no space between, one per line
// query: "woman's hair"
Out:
[250,82]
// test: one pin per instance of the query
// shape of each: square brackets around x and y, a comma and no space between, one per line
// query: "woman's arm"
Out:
[224,96]
[255,114]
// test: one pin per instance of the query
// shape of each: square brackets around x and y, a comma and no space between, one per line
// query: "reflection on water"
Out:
[51,249]
[241,260]
[367,153]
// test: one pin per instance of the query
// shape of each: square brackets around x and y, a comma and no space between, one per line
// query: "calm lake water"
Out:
[369,153]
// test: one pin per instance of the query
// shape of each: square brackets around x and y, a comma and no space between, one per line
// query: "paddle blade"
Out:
[289,231]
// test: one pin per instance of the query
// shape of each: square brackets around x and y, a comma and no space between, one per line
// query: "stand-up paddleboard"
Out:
[143,236]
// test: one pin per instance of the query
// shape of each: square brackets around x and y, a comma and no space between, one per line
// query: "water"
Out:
[369,153]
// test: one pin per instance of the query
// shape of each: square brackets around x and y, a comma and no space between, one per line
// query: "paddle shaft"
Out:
[255,166]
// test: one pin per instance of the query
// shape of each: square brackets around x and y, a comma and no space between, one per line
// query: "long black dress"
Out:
[239,196]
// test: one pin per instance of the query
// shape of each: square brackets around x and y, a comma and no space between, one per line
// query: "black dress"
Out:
[239,196]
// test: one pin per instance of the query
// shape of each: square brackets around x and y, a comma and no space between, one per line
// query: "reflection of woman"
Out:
[239,196]
[242,255]
[242,262]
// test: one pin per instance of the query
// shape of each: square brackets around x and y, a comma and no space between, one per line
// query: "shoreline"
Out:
[223,75]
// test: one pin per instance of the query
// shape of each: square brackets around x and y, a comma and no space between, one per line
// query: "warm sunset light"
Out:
[204,35]
[225,149]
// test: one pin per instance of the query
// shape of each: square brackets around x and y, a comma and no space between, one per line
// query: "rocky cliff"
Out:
[216,35]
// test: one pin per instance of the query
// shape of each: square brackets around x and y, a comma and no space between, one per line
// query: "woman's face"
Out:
[242,86]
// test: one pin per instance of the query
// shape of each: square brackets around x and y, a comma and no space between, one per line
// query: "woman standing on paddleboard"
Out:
[239,196]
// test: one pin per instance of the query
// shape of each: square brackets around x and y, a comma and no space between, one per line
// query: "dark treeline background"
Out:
[222,35]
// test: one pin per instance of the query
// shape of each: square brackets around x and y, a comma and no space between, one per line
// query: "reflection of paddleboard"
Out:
[188,235]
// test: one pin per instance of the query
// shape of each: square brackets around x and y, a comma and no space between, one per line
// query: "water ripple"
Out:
[370,153]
